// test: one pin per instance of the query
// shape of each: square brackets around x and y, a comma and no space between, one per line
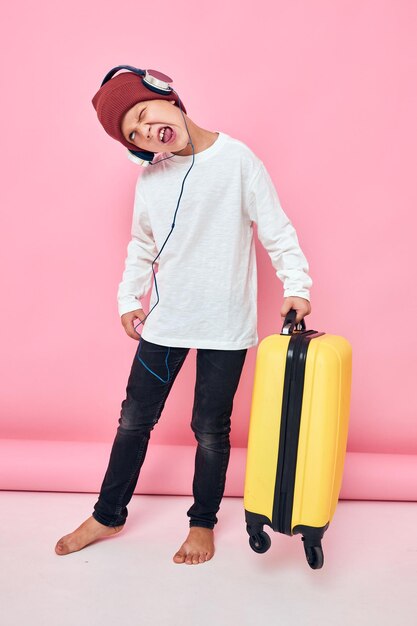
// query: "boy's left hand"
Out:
[301,305]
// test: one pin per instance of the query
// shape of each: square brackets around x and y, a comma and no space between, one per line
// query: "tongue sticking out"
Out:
[167,134]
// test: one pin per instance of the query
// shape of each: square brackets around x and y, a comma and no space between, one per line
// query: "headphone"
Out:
[157,83]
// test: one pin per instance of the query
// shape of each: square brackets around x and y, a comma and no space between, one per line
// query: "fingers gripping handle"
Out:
[289,323]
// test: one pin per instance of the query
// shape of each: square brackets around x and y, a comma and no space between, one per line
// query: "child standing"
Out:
[207,281]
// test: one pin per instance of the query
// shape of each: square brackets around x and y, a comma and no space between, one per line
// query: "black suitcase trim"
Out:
[290,429]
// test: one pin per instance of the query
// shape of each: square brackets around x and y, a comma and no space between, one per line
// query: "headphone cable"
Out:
[169,234]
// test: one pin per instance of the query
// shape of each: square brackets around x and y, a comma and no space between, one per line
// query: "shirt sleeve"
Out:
[141,251]
[278,236]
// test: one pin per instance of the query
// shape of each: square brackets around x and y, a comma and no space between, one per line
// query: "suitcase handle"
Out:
[289,323]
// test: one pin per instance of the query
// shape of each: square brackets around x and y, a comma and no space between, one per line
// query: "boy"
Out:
[208,294]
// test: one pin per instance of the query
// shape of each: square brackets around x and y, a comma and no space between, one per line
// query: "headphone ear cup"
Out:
[142,157]
[157,82]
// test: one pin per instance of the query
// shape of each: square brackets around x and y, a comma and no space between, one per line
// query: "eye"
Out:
[132,134]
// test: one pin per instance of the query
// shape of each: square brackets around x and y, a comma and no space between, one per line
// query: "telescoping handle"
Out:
[289,323]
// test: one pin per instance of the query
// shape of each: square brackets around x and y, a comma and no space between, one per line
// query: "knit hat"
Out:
[117,96]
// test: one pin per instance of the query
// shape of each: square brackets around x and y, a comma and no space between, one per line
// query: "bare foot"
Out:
[197,548]
[89,531]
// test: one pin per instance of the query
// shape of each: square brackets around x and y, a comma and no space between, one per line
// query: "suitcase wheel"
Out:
[260,542]
[314,555]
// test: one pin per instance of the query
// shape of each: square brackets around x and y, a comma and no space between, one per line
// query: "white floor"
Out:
[369,575]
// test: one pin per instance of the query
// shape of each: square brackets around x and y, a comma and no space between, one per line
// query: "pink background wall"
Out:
[323,92]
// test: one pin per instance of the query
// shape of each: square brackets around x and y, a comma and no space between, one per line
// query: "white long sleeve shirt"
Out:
[206,273]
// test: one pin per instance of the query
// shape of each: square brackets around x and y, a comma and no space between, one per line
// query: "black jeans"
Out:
[217,378]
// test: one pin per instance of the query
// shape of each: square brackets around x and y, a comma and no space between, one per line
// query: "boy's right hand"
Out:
[128,322]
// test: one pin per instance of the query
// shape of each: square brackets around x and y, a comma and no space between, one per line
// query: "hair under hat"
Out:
[117,96]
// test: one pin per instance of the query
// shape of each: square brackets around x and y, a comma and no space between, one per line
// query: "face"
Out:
[143,123]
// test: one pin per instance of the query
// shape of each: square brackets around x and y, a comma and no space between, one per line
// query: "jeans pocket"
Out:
[163,362]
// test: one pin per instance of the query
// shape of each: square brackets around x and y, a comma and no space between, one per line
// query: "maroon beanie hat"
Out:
[117,96]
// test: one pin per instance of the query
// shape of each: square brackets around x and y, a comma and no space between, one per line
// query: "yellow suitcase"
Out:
[297,435]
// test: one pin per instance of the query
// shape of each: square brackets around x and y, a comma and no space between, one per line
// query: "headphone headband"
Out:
[113,71]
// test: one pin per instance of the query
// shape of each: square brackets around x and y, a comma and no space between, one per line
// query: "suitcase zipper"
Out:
[290,429]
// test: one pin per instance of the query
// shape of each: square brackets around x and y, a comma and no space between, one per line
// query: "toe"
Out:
[60,547]
[179,557]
